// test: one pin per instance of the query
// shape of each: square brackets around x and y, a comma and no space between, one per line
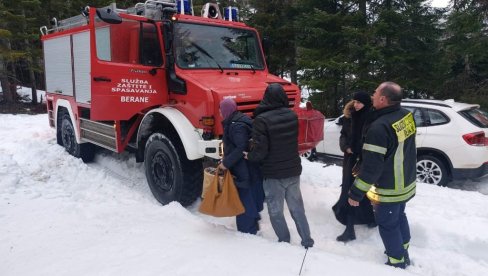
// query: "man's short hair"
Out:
[393,92]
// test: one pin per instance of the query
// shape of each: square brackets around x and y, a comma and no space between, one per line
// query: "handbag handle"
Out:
[216,179]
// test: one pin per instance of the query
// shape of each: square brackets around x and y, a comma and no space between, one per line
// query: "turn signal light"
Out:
[476,139]
[208,121]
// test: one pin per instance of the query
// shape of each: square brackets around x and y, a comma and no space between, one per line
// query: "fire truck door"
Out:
[127,73]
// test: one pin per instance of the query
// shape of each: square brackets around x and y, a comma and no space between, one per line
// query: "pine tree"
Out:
[466,59]
[333,47]
[275,20]
[408,34]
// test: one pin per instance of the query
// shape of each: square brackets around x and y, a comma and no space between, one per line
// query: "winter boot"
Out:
[372,225]
[396,262]
[348,234]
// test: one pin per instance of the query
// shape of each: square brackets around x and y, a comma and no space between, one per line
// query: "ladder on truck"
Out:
[152,9]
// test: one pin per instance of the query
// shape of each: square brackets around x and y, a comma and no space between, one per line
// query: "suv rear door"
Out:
[420,123]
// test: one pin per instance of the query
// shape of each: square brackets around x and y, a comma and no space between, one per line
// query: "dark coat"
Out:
[351,137]
[237,132]
[346,141]
[247,175]
[275,136]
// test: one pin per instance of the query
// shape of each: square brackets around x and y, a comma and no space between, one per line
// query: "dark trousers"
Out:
[393,227]
[247,222]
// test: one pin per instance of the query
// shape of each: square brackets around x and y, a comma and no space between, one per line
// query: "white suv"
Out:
[451,140]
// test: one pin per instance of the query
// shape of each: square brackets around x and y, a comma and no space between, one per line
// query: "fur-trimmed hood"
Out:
[348,109]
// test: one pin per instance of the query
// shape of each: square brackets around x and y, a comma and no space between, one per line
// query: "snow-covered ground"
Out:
[59,216]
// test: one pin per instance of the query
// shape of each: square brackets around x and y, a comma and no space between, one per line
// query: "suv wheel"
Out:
[431,170]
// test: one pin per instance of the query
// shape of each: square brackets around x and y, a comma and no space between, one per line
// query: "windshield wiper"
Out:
[208,55]
[253,70]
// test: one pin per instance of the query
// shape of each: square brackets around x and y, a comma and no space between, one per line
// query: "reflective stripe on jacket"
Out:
[388,166]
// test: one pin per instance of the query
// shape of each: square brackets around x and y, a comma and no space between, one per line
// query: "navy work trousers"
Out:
[393,227]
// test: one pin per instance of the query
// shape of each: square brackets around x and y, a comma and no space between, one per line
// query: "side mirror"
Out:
[266,44]
[109,16]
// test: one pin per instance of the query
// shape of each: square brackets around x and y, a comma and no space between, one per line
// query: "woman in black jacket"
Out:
[351,143]
[247,176]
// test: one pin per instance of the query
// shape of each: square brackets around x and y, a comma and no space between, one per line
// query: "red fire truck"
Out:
[149,79]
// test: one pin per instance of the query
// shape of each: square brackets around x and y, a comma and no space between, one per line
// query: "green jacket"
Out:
[388,166]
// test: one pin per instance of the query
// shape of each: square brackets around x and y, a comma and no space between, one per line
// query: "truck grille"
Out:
[248,107]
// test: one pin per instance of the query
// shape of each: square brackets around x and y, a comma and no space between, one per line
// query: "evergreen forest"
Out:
[331,48]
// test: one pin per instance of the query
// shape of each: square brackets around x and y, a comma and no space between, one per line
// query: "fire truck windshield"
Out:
[213,47]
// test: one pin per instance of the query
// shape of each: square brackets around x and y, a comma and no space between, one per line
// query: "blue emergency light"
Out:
[231,14]
[184,7]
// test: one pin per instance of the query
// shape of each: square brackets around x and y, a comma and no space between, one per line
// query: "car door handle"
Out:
[102,79]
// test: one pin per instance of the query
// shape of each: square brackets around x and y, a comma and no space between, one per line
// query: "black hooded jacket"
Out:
[275,136]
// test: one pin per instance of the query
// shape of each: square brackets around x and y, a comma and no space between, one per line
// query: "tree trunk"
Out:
[8,93]
[362,10]
[32,76]
[32,79]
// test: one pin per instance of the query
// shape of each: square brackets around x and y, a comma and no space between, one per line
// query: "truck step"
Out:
[98,133]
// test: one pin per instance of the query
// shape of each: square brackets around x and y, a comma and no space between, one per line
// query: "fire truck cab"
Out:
[150,79]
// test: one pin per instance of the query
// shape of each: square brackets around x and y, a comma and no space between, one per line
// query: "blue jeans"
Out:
[393,227]
[276,192]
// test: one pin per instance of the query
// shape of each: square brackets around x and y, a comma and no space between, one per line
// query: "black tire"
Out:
[431,170]
[170,175]
[59,139]
[84,151]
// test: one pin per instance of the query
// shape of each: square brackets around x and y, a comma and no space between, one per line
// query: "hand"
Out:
[245,154]
[352,202]
[348,151]
[221,166]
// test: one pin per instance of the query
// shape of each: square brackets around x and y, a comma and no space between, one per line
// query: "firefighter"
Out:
[387,172]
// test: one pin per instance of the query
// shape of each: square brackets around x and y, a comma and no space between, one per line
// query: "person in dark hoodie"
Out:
[351,143]
[275,146]
[247,176]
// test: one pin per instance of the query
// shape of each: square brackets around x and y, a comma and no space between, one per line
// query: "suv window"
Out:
[417,115]
[476,116]
[435,117]
[427,117]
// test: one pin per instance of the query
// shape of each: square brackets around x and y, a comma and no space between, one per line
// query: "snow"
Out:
[439,3]
[26,94]
[60,216]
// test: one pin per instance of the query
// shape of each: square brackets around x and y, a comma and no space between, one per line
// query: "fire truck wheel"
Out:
[171,176]
[84,151]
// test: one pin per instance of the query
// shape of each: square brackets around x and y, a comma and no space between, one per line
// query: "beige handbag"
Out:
[222,201]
